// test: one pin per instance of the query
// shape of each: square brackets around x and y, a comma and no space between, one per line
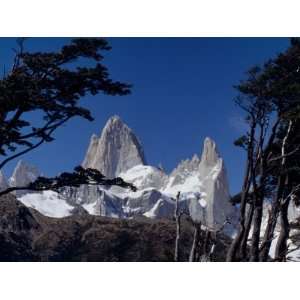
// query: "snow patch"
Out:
[48,203]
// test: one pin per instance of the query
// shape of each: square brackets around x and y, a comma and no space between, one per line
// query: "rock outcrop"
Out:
[23,174]
[213,206]
[116,151]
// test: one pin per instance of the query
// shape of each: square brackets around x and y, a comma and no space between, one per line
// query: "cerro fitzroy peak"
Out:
[118,152]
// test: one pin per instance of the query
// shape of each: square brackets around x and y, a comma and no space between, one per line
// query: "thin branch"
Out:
[294,190]
[284,156]
[4,162]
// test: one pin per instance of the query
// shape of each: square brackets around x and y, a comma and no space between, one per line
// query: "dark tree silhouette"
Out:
[80,176]
[50,86]
[270,97]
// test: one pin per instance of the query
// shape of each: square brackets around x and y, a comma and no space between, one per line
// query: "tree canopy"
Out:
[270,98]
[50,85]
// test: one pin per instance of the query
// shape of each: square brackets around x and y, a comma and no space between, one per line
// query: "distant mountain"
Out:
[117,152]
[202,182]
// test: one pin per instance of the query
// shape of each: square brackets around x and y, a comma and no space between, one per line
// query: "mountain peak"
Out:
[22,175]
[114,123]
[210,155]
[114,119]
[116,151]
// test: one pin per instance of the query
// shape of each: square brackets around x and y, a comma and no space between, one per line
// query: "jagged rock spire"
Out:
[213,206]
[210,153]
[116,151]
[23,174]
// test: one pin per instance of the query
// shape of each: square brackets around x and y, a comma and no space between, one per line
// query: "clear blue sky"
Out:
[182,92]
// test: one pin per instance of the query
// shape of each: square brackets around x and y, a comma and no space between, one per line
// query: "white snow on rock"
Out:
[48,203]
[145,177]
[153,212]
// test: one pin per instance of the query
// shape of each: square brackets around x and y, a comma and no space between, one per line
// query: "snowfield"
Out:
[47,203]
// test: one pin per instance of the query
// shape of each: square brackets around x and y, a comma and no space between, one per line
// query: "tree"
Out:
[270,96]
[177,217]
[253,100]
[79,177]
[50,85]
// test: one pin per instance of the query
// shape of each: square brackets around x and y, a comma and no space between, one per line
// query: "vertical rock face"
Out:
[23,174]
[116,151]
[209,157]
[90,156]
[3,182]
[212,207]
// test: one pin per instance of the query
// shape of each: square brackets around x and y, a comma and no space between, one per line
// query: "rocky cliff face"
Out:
[23,174]
[116,151]
[213,206]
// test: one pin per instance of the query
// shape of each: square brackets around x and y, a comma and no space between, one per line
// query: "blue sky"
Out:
[182,92]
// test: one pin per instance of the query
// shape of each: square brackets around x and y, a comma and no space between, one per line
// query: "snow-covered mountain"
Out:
[117,152]
[202,183]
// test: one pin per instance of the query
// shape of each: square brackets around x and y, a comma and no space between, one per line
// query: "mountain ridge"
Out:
[202,182]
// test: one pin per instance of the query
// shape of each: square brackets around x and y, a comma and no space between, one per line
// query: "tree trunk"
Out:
[281,246]
[204,255]
[258,196]
[269,233]
[234,247]
[195,242]
[178,228]
[243,247]
[257,217]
